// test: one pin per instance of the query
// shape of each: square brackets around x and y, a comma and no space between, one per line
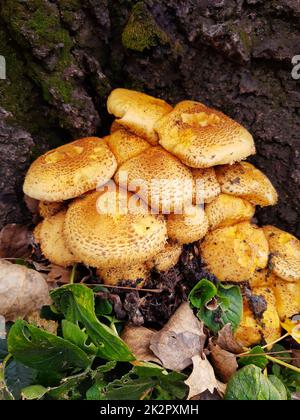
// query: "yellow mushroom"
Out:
[137,112]
[135,273]
[70,170]
[245,181]
[202,137]
[235,253]
[166,258]
[207,187]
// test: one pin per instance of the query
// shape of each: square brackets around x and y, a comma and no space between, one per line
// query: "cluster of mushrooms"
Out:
[152,140]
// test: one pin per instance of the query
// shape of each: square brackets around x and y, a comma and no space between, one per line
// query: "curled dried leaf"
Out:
[224,362]
[227,341]
[138,340]
[179,340]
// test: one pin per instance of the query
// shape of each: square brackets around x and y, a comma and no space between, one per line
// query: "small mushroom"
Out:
[159,178]
[111,240]
[207,187]
[191,226]
[166,258]
[138,112]
[245,181]
[202,137]
[227,210]
[48,209]
[285,253]
[135,273]
[125,145]
[49,235]
[234,253]
[70,170]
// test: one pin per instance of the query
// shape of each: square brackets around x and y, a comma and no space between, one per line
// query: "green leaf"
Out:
[254,357]
[34,392]
[76,302]
[43,351]
[18,376]
[74,334]
[249,383]
[227,306]
[139,381]
[277,383]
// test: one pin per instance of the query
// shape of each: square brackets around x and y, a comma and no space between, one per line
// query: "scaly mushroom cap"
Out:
[135,273]
[125,145]
[106,240]
[49,235]
[227,210]
[234,253]
[246,181]
[285,253]
[70,170]
[163,182]
[207,187]
[48,209]
[167,258]
[202,137]
[138,112]
[251,331]
[188,227]
[287,296]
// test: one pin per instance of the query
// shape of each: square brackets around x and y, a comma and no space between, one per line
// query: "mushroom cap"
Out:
[285,253]
[287,296]
[138,112]
[227,210]
[207,187]
[159,178]
[166,258]
[70,170]
[246,181]
[125,145]
[110,240]
[188,227]
[234,253]
[134,273]
[251,331]
[49,234]
[202,137]
[48,209]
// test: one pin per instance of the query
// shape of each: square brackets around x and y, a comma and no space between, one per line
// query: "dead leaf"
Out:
[32,204]
[58,274]
[22,291]
[138,341]
[224,362]
[203,378]
[15,241]
[179,340]
[227,341]
[45,324]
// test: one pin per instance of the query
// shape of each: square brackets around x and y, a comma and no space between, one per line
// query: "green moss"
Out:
[142,31]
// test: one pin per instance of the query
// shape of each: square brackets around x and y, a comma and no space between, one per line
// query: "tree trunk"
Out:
[64,56]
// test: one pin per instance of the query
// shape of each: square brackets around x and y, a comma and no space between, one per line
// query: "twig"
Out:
[136,289]
[280,362]
[73,274]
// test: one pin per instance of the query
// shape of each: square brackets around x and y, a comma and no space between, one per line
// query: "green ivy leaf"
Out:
[40,350]
[218,304]
[34,392]
[76,302]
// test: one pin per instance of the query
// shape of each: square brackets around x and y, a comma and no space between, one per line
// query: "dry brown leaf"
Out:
[138,341]
[227,341]
[58,274]
[203,378]
[179,340]
[15,241]
[22,291]
[224,362]
[45,324]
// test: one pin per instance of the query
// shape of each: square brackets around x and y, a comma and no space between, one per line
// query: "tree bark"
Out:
[64,57]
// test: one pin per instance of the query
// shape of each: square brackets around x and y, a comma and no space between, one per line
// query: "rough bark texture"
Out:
[64,57]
